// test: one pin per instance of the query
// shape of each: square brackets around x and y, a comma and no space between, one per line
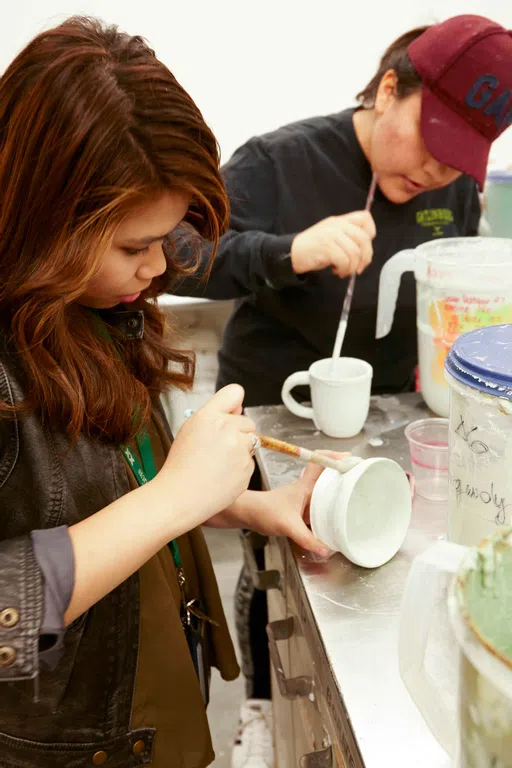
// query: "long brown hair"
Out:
[91,125]
[395,57]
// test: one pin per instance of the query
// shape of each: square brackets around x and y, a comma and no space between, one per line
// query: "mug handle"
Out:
[298,379]
[423,590]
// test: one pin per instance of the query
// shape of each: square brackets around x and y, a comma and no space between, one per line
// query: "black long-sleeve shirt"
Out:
[280,184]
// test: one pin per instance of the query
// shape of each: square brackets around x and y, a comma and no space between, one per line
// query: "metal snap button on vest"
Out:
[100,758]
[7,656]
[9,617]
[139,747]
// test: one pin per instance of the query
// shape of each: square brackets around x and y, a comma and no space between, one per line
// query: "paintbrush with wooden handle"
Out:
[304,454]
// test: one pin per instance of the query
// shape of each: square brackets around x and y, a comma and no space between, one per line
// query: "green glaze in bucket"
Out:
[484,596]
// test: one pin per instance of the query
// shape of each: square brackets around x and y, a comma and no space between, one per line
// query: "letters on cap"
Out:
[486,92]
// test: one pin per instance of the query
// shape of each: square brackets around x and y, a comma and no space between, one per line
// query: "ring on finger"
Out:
[255,444]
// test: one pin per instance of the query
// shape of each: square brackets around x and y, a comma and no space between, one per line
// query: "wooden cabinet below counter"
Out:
[308,727]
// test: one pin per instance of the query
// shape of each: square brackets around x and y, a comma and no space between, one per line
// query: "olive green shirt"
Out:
[167,693]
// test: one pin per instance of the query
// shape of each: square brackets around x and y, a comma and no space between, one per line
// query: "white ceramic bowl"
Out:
[365,513]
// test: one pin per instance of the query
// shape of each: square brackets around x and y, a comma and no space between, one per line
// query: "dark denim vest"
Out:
[79,714]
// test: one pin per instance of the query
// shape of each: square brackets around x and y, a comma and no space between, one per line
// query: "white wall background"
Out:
[254,66]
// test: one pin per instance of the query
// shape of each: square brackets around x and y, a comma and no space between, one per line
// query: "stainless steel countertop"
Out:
[357,610]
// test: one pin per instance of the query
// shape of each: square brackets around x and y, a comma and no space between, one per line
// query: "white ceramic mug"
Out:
[340,395]
[364,513]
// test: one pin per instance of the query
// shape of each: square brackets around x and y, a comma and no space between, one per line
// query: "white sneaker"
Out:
[253,747]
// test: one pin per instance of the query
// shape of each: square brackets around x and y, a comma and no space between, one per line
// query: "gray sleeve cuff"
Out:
[54,554]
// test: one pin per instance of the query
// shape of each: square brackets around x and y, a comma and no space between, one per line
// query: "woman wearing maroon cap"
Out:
[424,125]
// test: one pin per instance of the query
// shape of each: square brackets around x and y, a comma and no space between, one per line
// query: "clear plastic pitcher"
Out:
[474,725]
[461,284]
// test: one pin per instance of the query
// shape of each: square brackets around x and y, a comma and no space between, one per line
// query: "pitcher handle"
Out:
[389,285]
[423,590]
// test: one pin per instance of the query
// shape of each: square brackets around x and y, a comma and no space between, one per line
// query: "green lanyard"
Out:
[146,471]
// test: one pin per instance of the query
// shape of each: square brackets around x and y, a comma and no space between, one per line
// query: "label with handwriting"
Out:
[469,435]
[488,496]
[480,483]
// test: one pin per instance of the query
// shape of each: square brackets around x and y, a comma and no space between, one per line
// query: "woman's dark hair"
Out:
[93,125]
[396,58]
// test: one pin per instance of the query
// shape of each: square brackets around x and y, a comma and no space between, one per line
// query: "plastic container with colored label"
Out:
[461,284]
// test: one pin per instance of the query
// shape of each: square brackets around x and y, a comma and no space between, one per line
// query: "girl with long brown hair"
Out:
[110,617]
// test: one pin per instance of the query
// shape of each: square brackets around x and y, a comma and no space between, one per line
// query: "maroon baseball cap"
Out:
[465,64]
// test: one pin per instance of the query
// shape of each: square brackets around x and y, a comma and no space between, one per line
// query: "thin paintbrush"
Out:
[342,327]
[304,454]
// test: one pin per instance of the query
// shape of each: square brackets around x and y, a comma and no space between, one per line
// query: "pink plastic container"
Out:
[428,445]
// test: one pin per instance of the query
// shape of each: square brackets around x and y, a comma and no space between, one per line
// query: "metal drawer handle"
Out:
[262,580]
[289,687]
[323,758]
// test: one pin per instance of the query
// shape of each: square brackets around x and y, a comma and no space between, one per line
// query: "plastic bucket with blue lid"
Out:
[479,372]
[498,202]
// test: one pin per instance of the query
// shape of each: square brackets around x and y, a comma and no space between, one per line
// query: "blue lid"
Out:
[482,360]
[503,176]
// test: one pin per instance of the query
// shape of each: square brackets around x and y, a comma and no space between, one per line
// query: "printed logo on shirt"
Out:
[437,219]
